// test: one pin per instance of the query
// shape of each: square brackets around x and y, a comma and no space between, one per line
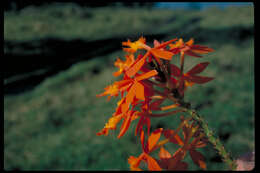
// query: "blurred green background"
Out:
[60,55]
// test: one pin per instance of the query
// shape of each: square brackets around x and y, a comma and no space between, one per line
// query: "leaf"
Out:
[155,105]
[198,79]
[197,158]
[181,166]
[152,164]
[175,159]
[153,138]
[175,70]
[198,68]
[201,49]
[162,54]
[191,53]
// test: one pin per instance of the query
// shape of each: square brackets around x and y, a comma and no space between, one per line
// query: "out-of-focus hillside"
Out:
[72,49]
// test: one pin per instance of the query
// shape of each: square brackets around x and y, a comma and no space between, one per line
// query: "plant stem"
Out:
[213,140]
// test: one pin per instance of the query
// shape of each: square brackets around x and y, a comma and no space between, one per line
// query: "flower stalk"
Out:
[213,139]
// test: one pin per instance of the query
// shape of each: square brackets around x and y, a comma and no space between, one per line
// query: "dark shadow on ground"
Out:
[55,55]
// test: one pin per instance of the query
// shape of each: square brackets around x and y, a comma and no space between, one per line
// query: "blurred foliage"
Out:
[53,126]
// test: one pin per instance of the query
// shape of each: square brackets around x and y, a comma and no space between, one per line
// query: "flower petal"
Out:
[136,66]
[153,138]
[139,91]
[125,125]
[164,154]
[162,45]
[152,164]
[162,54]
[147,75]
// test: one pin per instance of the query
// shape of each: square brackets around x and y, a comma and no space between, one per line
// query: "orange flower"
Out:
[123,65]
[189,131]
[115,119]
[157,53]
[147,148]
[188,48]
[134,46]
[137,88]
[172,162]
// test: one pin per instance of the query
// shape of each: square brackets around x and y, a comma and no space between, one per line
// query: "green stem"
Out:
[213,140]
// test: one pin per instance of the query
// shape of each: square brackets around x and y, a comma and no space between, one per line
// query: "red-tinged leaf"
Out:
[148,89]
[166,43]
[175,50]
[155,105]
[148,124]
[181,166]
[173,82]
[175,159]
[152,164]
[201,49]
[198,79]
[164,154]
[153,138]
[145,68]
[196,46]
[198,68]
[181,86]
[131,71]
[200,144]
[139,125]
[146,75]
[176,139]
[142,141]
[197,158]
[175,70]
[139,91]
[162,54]
[125,125]
[191,53]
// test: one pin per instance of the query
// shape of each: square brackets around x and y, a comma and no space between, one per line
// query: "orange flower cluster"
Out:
[149,79]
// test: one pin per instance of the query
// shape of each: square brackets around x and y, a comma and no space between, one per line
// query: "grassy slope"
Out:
[54,126]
